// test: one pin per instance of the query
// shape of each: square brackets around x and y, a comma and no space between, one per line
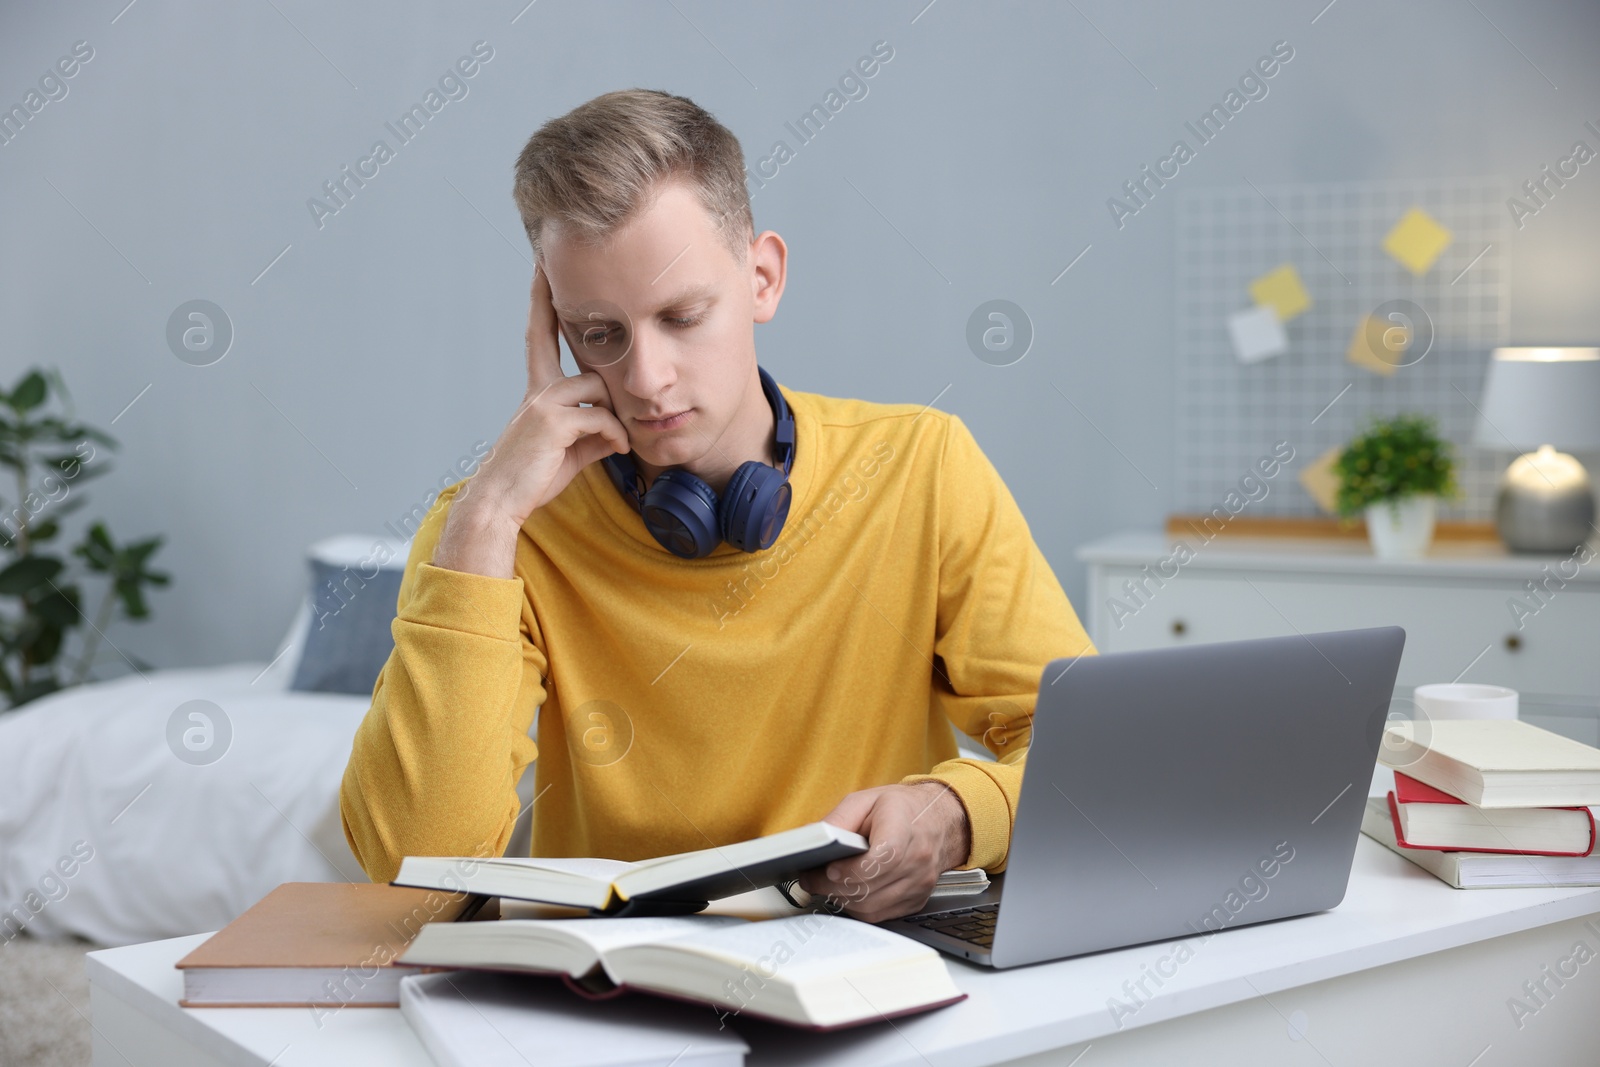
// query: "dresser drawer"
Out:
[1455,630]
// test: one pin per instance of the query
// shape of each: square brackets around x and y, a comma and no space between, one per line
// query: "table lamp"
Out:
[1536,400]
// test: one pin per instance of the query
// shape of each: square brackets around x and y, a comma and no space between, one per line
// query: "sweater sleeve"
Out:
[434,766]
[1002,616]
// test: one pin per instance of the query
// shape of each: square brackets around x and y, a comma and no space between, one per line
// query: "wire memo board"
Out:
[1230,414]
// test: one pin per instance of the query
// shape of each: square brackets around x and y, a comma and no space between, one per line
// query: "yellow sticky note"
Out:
[1320,480]
[1281,290]
[1416,240]
[1377,346]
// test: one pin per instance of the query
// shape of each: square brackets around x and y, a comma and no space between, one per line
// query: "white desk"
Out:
[1406,969]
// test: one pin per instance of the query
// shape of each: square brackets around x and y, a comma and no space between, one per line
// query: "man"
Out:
[692,692]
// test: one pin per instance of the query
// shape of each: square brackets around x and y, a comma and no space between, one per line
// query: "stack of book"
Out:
[1489,803]
[623,927]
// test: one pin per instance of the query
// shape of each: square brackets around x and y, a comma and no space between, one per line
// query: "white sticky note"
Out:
[1257,334]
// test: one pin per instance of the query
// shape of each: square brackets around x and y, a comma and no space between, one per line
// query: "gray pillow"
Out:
[349,639]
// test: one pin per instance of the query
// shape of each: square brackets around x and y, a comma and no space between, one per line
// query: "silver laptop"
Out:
[1180,792]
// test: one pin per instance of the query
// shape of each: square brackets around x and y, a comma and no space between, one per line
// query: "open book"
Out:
[818,971]
[666,885]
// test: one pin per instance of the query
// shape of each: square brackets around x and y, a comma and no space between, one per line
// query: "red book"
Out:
[1429,818]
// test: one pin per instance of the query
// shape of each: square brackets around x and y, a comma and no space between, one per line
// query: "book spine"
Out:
[592,994]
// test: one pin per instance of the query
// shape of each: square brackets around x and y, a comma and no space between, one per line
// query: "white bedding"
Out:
[176,848]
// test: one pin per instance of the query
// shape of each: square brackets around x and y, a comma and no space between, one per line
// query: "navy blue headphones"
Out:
[683,513]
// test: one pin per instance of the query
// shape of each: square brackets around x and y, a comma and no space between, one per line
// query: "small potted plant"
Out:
[1395,473]
[48,456]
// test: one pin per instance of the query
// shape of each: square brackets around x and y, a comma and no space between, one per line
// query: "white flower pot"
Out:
[1401,528]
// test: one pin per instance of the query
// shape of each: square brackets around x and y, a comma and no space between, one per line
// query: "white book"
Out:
[1465,828]
[1481,870]
[1495,763]
[814,970]
[677,883]
[471,1019]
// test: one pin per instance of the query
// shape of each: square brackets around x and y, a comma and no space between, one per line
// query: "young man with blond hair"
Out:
[736,608]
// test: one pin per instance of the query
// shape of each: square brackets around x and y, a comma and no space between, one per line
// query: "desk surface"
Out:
[1392,911]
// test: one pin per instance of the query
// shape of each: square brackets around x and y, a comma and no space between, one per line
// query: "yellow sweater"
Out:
[694,703]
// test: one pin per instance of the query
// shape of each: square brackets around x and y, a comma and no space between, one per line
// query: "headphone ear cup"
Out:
[754,506]
[680,511]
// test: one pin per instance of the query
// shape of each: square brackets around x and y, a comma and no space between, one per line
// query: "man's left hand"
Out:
[916,832]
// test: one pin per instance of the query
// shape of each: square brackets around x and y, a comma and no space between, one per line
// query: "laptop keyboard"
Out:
[974,925]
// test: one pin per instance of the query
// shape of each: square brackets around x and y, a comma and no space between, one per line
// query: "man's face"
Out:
[665,314]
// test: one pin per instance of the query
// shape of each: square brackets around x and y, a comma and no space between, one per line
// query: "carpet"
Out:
[44,1003]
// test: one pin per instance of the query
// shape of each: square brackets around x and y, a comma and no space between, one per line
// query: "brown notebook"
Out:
[317,944]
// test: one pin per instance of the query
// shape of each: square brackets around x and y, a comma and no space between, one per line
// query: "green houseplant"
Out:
[1394,474]
[50,456]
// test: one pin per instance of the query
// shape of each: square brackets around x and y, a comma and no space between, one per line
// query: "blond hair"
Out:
[594,167]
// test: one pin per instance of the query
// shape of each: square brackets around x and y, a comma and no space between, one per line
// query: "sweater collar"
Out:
[621,521]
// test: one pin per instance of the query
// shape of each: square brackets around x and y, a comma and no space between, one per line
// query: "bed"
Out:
[107,834]
[126,818]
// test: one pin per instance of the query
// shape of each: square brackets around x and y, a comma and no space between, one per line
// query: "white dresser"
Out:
[1456,606]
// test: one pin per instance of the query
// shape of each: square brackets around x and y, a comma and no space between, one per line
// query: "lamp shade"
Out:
[1540,396]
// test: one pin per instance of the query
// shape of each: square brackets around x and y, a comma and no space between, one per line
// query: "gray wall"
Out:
[372,355]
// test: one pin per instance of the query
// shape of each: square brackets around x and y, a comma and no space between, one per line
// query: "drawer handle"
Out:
[1513,642]
[1179,627]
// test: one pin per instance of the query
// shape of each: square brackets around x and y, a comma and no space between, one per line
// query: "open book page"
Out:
[601,870]
[605,934]
[571,945]
[805,945]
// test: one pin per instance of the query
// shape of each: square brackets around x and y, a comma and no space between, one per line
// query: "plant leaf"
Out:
[96,549]
[132,597]
[60,608]
[43,644]
[27,574]
[140,551]
[29,393]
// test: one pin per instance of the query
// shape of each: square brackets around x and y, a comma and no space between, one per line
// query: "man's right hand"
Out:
[548,441]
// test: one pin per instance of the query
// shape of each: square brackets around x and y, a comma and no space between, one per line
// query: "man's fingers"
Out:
[600,423]
[585,388]
[872,902]
[897,877]
[543,339]
[885,855]
[903,860]
[591,448]
[852,810]
[885,861]
[814,882]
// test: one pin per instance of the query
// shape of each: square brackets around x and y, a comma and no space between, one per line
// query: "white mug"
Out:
[1465,700]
